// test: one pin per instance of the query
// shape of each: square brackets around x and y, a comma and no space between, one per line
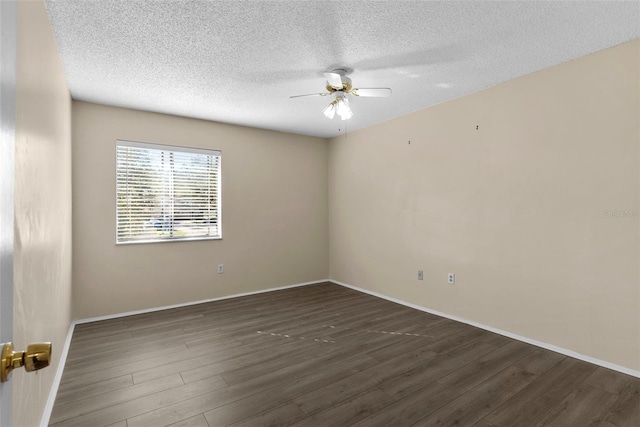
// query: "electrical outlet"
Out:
[220,268]
[420,275]
[451,278]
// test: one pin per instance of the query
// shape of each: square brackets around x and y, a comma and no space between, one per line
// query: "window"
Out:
[166,193]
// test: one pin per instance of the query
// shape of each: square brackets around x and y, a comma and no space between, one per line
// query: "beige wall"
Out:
[274,211]
[42,263]
[517,209]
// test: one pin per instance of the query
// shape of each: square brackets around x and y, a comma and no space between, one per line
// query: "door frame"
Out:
[7,184]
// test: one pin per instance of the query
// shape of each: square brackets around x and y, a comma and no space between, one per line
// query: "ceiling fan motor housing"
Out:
[346,85]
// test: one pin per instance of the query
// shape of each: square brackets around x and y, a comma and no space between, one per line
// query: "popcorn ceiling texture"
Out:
[239,61]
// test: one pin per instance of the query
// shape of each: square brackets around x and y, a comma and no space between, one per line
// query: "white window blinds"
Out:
[166,193]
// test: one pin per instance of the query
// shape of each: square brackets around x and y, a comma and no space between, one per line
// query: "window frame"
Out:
[175,149]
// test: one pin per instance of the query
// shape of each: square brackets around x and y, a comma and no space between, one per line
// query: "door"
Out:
[7,161]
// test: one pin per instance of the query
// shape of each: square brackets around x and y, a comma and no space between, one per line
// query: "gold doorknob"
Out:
[36,357]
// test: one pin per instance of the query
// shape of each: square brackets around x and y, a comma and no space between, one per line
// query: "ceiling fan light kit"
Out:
[339,85]
[339,106]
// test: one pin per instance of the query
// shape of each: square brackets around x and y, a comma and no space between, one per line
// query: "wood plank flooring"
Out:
[324,355]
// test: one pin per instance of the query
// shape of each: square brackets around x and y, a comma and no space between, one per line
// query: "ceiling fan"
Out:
[339,86]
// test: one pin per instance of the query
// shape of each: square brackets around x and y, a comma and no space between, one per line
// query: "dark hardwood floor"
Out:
[324,355]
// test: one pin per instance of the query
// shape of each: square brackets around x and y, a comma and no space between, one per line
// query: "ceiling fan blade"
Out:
[311,94]
[334,80]
[375,92]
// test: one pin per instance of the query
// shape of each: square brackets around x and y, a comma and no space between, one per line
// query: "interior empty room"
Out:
[319,213]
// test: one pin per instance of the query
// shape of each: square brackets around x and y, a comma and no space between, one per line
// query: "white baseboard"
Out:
[46,415]
[537,343]
[186,304]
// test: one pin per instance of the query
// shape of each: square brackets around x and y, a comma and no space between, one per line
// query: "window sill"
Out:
[192,239]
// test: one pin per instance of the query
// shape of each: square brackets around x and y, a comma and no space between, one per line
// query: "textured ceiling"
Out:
[239,61]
